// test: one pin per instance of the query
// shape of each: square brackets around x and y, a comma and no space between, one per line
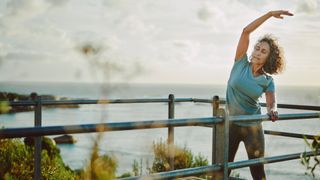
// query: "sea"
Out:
[128,146]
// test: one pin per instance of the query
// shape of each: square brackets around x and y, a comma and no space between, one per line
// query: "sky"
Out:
[149,41]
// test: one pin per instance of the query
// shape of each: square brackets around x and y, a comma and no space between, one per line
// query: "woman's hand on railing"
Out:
[273,115]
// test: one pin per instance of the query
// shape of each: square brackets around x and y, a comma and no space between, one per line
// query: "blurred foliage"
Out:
[100,167]
[135,168]
[183,158]
[313,162]
[106,66]
[124,175]
[17,161]
[4,107]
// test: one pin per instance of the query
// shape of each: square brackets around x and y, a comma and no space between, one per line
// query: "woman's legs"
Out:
[254,143]
[234,141]
[253,139]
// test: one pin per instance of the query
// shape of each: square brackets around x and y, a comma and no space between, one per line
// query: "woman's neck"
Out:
[256,69]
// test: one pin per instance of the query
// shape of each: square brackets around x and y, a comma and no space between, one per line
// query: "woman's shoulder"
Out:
[241,58]
[242,61]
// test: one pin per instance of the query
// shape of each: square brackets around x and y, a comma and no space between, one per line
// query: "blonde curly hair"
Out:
[275,62]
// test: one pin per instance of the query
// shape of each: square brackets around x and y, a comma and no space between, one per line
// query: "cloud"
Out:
[308,6]
[25,29]
[30,56]
[57,3]
[201,34]
[19,11]
[183,51]
[204,13]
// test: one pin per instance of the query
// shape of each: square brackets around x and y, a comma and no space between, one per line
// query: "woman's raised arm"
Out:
[243,43]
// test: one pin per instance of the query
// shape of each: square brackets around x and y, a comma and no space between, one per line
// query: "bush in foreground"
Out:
[17,161]
[183,158]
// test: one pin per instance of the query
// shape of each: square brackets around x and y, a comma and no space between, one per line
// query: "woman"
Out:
[247,82]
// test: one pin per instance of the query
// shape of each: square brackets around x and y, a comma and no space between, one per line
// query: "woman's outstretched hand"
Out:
[279,14]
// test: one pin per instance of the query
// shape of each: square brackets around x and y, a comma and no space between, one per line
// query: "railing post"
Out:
[171,131]
[215,107]
[225,114]
[37,145]
[220,141]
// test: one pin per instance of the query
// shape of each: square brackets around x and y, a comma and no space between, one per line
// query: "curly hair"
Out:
[275,62]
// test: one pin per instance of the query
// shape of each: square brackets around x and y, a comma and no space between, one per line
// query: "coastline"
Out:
[6,97]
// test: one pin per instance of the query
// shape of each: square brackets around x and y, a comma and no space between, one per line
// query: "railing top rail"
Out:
[146,100]
[199,100]
[114,126]
[295,106]
[279,105]
[254,118]
[96,101]
[119,126]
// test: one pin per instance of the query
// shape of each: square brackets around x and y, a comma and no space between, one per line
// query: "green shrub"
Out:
[104,167]
[311,163]
[124,175]
[17,161]
[100,167]
[183,158]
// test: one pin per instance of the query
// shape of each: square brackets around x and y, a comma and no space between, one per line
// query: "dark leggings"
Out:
[253,139]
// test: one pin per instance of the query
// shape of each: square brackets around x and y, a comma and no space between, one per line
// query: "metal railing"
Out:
[219,122]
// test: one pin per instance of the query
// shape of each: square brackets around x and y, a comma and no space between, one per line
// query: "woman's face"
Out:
[260,53]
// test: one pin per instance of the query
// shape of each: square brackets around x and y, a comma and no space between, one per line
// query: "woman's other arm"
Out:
[271,106]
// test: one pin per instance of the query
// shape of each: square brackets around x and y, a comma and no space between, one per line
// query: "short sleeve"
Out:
[270,87]
[242,61]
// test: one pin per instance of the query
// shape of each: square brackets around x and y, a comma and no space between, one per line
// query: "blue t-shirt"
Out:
[244,90]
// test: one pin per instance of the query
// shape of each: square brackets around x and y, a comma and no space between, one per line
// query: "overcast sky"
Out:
[149,41]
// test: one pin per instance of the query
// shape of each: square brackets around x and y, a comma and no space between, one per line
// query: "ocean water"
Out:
[128,146]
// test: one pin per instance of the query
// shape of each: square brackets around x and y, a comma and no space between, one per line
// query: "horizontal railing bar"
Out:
[216,167]
[287,134]
[197,100]
[268,160]
[179,173]
[254,118]
[116,126]
[102,101]
[285,106]
[183,100]
[295,106]
[159,100]
[21,103]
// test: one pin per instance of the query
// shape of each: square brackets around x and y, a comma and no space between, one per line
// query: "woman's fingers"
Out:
[273,116]
[288,13]
[276,117]
[278,14]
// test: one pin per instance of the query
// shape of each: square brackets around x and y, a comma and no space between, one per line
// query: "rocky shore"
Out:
[6,97]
